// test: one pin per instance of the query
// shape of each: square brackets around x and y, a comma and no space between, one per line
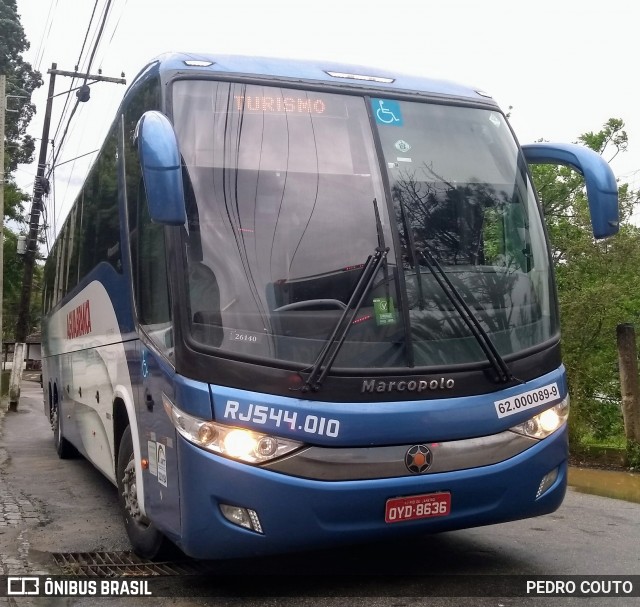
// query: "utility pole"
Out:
[22,327]
[3,98]
[30,255]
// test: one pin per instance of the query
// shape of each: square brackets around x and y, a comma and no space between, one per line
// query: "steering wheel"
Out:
[309,303]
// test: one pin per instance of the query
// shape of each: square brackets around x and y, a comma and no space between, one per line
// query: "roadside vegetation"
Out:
[598,286]
[19,147]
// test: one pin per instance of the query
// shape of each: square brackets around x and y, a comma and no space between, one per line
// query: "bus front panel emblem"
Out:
[418,459]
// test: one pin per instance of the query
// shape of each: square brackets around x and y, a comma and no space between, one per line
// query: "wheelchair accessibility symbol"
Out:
[387,112]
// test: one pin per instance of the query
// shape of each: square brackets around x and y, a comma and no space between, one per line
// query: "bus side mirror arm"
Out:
[161,166]
[602,189]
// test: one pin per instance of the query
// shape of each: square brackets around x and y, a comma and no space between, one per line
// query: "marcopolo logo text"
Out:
[412,385]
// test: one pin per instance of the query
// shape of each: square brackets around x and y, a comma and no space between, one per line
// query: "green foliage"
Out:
[22,80]
[12,286]
[633,455]
[598,287]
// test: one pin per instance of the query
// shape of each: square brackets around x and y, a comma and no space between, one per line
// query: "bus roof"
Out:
[319,72]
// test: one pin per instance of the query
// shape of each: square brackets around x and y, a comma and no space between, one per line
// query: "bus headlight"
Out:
[546,422]
[237,443]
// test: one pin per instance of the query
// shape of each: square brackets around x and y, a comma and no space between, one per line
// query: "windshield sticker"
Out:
[153,462]
[387,112]
[402,146]
[162,464]
[401,159]
[384,311]
[495,120]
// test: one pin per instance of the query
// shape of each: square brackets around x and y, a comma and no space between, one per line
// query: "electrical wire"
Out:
[65,108]
[86,35]
[66,130]
[97,42]
[45,35]
[67,99]
[66,117]
[115,29]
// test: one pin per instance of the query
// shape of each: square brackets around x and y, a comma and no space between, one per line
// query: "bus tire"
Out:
[146,541]
[64,448]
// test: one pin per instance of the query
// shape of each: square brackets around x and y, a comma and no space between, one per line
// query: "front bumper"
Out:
[299,514]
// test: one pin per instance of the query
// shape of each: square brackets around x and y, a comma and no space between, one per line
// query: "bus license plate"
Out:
[400,509]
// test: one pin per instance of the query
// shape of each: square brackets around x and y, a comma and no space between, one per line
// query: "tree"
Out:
[598,286]
[22,80]
[12,284]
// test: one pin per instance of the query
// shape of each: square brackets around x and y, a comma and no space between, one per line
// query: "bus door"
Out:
[158,442]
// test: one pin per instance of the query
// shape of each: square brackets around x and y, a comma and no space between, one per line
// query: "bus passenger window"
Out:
[150,277]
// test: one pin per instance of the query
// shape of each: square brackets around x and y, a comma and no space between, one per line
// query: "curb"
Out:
[26,382]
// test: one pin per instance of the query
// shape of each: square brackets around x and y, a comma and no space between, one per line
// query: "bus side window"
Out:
[204,291]
[150,276]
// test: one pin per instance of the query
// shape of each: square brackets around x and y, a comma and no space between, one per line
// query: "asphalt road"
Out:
[53,506]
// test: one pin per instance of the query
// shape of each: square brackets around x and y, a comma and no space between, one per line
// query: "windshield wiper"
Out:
[503,372]
[332,346]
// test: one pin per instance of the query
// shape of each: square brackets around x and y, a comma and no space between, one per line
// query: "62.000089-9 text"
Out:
[527,400]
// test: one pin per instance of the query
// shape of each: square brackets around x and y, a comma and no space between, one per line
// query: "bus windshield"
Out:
[287,199]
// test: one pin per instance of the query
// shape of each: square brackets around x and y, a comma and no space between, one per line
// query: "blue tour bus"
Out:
[298,304]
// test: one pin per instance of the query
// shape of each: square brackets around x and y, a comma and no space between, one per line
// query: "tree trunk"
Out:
[628,360]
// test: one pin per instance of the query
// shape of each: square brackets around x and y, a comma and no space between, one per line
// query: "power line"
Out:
[86,35]
[115,29]
[45,35]
[97,42]
[66,130]
[68,118]
[66,102]
[65,109]
[105,48]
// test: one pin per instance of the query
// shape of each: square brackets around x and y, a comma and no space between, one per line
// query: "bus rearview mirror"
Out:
[161,168]
[602,189]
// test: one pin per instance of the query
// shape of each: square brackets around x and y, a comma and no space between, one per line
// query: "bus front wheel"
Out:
[145,539]
[64,448]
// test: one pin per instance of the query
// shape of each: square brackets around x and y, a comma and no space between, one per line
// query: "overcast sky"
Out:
[566,66]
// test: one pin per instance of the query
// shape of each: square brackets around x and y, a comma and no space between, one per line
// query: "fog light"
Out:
[547,481]
[243,517]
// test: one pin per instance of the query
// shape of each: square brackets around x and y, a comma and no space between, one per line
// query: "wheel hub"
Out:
[130,492]
[53,418]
